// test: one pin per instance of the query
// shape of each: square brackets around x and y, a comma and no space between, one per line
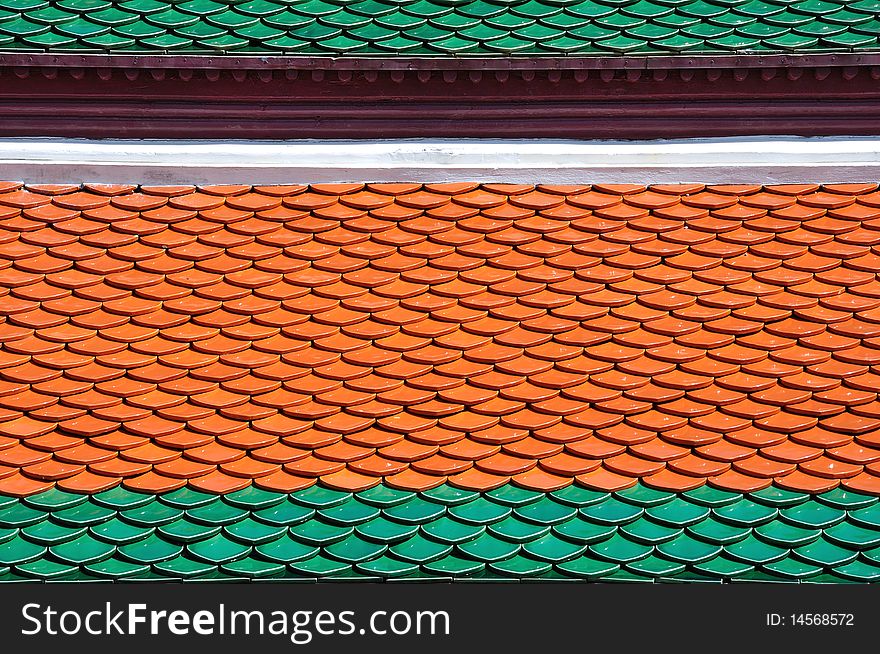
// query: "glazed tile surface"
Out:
[440,27]
[446,533]
[616,383]
[231,337]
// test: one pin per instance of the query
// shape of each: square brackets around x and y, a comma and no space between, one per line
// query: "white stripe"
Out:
[765,160]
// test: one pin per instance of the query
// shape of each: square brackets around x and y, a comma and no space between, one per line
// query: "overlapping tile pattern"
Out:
[639,534]
[227,337]
[440,27]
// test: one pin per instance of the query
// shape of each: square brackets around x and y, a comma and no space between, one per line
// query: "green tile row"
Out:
[639,534]
[440,27]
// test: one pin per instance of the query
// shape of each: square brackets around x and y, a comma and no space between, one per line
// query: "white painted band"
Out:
[764,160]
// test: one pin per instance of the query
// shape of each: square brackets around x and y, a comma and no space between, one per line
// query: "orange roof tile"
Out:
[680,335]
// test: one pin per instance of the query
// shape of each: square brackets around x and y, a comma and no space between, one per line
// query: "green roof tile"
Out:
[688,550]
[578,496]
[318,497]
[253,568]
[155,513]
[513,495]
[791,567]
[82,550]
[416,511]
[218,513]
[587,568]
[852,536]
[447,530]
[355,550]
[48,533]
[866,517]
[285,20]
[120,499]
[611,512]
[384,496]
[466,27]
[319,533]
[845,499]
[825,553]
[723,566]
[187,531]
[51,16]
[259,8]
[677,513]
[186,498]
[116,569]
[218,550]
[85,514]
[872,555]
[655,566]
[113,16]
[715,531]
[850,40]
[84,6]
[150,550]
[642,495]
[446,494]
[859,571]
[553,549]
[518,531]
[24,5]
[386,566]
[251,532]
[520,566]
[812,515]
[184,567]
[45,569]
[709,496]
[584,531]
[487,548]
[139,30]
[508,533]
[754,551]
[786,535]
[286,550]
[285,43]
[792,41]
[455,566]
[620,549]
[420,550]
[253,498]
[7,534]
[19,550]
[385,531]
[284,513]
[350,513]
[546,512]
[649,532]
[120,533]
[745,513]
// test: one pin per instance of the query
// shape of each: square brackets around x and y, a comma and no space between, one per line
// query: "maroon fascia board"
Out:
[183,96]
[461,62]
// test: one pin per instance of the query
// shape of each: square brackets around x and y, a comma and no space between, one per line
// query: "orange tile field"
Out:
[475,335]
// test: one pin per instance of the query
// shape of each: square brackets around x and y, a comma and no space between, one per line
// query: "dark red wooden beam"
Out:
[196,97]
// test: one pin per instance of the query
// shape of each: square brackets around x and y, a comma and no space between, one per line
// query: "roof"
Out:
[441,28]
[440,380]
[635,535]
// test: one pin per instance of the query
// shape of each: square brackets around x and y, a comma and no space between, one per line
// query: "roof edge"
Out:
[776,160]
[269,62]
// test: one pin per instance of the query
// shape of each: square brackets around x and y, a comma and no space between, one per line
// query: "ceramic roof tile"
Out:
[468,374]
[518,28]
